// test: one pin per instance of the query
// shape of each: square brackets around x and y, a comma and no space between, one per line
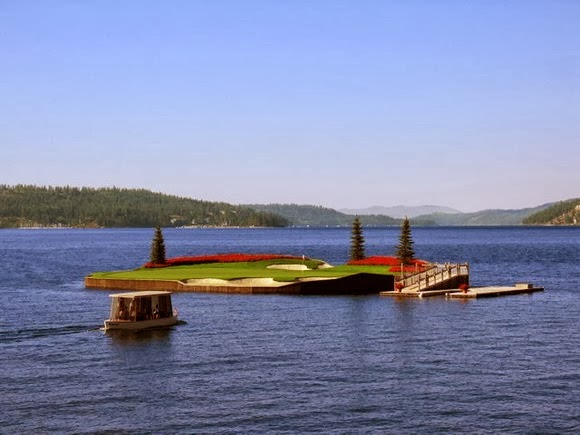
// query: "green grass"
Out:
[239,270]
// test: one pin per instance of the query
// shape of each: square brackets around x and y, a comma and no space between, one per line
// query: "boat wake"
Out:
[38,333]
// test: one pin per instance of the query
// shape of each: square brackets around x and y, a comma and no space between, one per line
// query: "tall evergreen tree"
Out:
[357,244]
[158,247]
[405,251]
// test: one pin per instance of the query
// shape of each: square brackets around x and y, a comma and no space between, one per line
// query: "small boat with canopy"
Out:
[141,310]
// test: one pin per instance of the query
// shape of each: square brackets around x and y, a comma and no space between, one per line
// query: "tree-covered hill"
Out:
[25,205]
[320,216]
[492,217]
[562,213]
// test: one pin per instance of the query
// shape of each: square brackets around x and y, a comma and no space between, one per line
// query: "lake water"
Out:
[247,364]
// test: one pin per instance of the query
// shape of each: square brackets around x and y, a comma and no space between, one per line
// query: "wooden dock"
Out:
[436,277]
[414,294]
[472,293]
[486,292]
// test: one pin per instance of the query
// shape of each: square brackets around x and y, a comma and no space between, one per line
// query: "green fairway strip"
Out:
[229,271]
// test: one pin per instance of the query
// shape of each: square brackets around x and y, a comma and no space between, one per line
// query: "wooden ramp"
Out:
[435,281]
[438,277]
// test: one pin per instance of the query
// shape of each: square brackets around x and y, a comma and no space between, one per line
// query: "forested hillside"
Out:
[30,206]
[482,218]
[27,206]
[319,216]
[562,213]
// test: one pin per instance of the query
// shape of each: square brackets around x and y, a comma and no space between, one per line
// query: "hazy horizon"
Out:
[468,105]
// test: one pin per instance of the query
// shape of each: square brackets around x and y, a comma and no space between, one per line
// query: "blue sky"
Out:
[471,105]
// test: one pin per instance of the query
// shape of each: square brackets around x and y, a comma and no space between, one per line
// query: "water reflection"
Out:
[124,337]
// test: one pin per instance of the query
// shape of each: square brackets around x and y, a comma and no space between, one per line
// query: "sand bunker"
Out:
[297,266]
[288,266]
[325,266]
[206,281]
[257,282]
[250,282]
[317,278]
[243,282]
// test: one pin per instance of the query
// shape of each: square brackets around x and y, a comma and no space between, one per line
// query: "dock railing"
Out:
[434,276]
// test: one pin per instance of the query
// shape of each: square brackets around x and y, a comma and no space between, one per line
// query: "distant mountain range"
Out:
[561,213]
[400,211]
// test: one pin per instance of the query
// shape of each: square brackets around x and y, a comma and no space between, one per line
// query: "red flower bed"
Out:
[386,261]
[407,269]
[393,262]
[220,258]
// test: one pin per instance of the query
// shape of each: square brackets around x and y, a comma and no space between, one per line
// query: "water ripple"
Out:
[246,364]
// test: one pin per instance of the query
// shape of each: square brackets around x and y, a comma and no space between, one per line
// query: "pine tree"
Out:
[405,251]
[357,245]
[158,247]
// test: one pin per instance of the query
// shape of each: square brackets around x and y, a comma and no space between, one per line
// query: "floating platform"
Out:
[486,292]
[472,293]
[355,284]
[413,294]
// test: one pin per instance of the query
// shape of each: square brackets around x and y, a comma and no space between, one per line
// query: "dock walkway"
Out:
[438,277]
[486,292]
[472,293]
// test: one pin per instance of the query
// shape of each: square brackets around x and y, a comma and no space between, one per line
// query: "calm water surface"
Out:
[246,364]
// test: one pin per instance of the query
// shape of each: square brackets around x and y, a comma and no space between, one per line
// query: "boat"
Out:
[141,310]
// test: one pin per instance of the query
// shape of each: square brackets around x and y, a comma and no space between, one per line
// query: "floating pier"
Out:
[355,284]
[415,294]
[451,281]
[472,293]
[437,277]
[486,292]
[438,280]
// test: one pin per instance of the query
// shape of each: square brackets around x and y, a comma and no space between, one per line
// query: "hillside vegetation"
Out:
[482,218]
[27,206]
[562,213]
[401,211]
[30,206]
[303,215]
[320,216]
